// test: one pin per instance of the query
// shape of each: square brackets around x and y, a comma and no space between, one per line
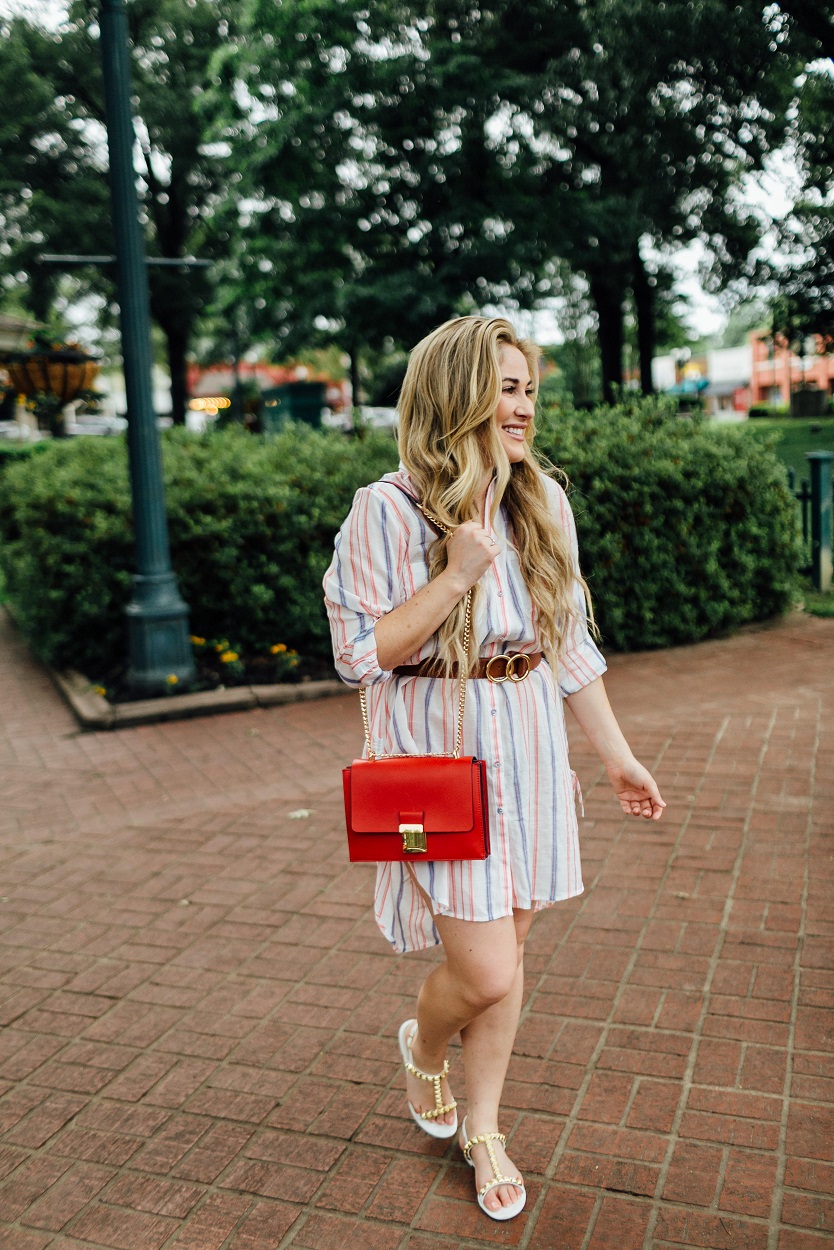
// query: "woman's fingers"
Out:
[638,792]
[470,551]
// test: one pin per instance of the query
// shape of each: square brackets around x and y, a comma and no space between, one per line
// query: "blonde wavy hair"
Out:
[448,440]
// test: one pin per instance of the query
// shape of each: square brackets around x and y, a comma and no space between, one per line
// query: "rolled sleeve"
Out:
[581,661]
[360,586]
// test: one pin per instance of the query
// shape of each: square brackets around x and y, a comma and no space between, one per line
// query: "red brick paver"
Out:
[198,1014]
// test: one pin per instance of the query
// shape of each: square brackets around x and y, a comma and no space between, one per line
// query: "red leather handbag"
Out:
[413,807]
[416,807]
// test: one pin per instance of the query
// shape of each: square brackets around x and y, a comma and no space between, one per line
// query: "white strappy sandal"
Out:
[426,1119]
[486,1139]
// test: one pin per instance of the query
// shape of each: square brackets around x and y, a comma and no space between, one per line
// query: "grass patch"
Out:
[814,601]
[796,437]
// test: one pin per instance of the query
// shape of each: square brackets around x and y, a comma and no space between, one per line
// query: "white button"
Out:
[493,711]
[500,811]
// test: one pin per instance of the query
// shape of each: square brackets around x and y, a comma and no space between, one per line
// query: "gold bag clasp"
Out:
[414,839]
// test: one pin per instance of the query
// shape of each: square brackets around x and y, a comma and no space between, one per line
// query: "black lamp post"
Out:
[159,641]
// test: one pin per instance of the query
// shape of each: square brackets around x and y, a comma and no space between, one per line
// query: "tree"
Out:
[406,160]
[805,303]
[47,163]
[53,191]
[374,204]
[811,23]
[663,111]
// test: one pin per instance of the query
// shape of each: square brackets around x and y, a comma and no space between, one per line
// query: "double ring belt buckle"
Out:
[513,668]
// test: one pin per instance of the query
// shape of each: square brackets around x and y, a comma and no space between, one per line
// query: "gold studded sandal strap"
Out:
[500,1180]
[438,1111]
[424,1076]
[481,1140]
[440,1108]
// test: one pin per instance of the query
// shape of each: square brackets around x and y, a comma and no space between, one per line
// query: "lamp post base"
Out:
[159,640]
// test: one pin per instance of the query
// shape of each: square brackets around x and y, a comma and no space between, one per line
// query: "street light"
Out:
[159,643]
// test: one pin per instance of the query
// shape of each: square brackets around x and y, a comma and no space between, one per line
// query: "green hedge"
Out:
[687,530]
[13,453]
[251,522]
[770,410]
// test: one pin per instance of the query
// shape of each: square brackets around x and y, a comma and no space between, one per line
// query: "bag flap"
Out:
[386,793]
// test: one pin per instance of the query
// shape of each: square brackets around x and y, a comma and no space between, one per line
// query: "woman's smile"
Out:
[517,403]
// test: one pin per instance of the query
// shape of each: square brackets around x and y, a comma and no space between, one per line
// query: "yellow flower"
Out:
[222,646]
[102,690]
[278,648]
[228,657]
[198,642]
[172,679]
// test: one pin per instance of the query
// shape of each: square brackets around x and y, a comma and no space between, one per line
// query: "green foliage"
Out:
[805,305]
[403,161]
[53,183]
[793,437]
[686,529]
[11,453]
[65,548]
[746,316]
[816,602]
[769,410]
[252,525]
[251,521]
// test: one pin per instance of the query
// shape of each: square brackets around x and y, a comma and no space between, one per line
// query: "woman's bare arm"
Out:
[634,786]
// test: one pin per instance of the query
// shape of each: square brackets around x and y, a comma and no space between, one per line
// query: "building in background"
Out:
[731,380]
[780,376]
[719,379]
[219,379]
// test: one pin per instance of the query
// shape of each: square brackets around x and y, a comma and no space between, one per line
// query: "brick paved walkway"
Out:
[199,1016]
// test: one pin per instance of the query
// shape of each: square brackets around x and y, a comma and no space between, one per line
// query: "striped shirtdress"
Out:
[380,560]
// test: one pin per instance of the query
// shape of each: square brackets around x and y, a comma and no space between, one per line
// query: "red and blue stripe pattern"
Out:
[380,560]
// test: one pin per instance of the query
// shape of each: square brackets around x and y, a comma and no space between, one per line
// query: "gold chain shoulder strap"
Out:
[467,630]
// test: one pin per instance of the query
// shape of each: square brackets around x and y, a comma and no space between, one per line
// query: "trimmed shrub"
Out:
[13,453]
[769,410]
[687,529]
[251,523]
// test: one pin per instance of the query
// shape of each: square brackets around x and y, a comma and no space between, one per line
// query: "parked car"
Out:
[99,424]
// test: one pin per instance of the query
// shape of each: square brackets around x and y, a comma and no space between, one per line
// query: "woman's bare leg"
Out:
[477,992]
[487,1047]
[479,971]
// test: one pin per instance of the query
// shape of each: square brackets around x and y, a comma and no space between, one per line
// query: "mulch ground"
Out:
[198,1045]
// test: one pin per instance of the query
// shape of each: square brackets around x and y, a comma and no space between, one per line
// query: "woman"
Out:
[395,595]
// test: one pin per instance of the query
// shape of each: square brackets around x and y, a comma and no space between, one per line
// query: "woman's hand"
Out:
[401,633]
[469,553]
[636,789]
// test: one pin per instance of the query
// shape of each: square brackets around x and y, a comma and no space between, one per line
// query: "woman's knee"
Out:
[489,983]
[482,958]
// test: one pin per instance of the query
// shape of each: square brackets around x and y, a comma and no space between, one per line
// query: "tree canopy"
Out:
[360,172]
[405,160]
[805,304]
[53,154]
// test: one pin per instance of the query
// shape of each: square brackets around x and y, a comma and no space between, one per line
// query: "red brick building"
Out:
[777,371]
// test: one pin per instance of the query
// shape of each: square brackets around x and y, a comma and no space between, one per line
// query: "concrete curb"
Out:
[94,712]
